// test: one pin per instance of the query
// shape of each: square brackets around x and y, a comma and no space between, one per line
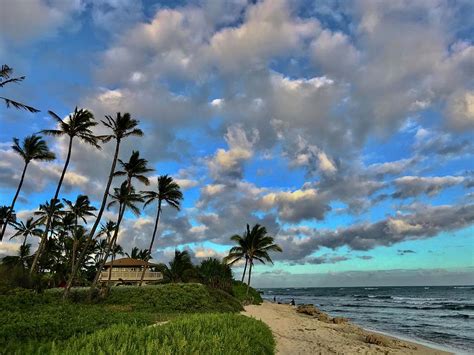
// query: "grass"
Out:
[239,290]
[42,321]
[192,334]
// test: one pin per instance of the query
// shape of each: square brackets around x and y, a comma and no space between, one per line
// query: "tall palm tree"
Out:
[81,208]
[169,192]
[240,251]
[30,228]
[5,78]
[32,148]
[259,245]
[122,126]
[126,198]
[78,125]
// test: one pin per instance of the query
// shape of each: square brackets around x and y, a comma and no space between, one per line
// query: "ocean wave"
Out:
[459,316]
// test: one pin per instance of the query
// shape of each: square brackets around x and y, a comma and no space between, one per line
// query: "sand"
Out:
[297,333]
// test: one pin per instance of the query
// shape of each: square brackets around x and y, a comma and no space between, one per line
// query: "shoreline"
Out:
[297,333]
[420,342]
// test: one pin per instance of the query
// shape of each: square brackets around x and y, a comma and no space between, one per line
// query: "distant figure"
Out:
[292,303]
[274,299]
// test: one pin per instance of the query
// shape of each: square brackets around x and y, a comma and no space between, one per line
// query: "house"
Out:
[128,270]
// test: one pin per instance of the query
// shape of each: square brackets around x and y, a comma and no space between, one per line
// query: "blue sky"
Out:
[346,128]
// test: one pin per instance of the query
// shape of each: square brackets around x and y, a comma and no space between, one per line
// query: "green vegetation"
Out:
[32,320]
[239,291]
[254,245]
[196,334]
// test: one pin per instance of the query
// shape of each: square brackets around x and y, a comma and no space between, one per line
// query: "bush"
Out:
[216,274]
[239,290]
[35,318]
[174,297]
[192,334]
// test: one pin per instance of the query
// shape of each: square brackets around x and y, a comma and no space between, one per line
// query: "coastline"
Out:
[297,333]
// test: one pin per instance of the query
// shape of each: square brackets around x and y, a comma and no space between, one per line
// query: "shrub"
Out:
[30,318]
[239,290]
[216,274]
[192,334]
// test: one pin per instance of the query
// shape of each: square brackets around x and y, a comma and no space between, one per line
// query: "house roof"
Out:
[125,262]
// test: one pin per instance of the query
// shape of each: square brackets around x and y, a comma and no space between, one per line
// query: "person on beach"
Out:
[292,303]
[274,299]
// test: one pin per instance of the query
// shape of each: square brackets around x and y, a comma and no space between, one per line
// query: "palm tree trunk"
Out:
[90,237]
[245,269]
[109,248]
[157,220]
[250,274]
[52,204]
[112,262]
[12,206]
[74,246]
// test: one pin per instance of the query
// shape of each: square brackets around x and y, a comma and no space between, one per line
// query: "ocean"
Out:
[438,315]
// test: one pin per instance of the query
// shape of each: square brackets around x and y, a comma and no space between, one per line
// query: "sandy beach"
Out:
[297,333]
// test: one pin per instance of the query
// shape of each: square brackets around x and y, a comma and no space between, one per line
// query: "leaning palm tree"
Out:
[122,126]
[6,78]
[78,125]
[32,148]
[81,208]
[240,251]
[126,198]
[6,217]
[169,192]
[259,245]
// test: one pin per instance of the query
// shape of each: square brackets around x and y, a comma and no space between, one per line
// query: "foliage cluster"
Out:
[192,334]
[239,291]
[31,319]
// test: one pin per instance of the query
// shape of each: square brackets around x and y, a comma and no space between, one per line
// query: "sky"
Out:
[344,127]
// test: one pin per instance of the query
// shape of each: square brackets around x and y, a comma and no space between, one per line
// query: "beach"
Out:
[297,333]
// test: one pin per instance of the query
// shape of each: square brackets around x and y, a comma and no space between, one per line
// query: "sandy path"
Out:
[300,334]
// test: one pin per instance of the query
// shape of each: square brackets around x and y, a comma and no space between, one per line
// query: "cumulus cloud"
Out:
[228,163]
[21,21]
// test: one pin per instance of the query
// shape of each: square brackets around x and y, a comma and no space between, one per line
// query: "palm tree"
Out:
[20,259]
[32,148]
[240,251]
[79,125]
[137,253]
[30,228]
[259,245]
[179,268]
[6,217]
[122,126]
[126,198]
[5,78]
[45,210]
[134,168]
[169,192]
[81,208]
